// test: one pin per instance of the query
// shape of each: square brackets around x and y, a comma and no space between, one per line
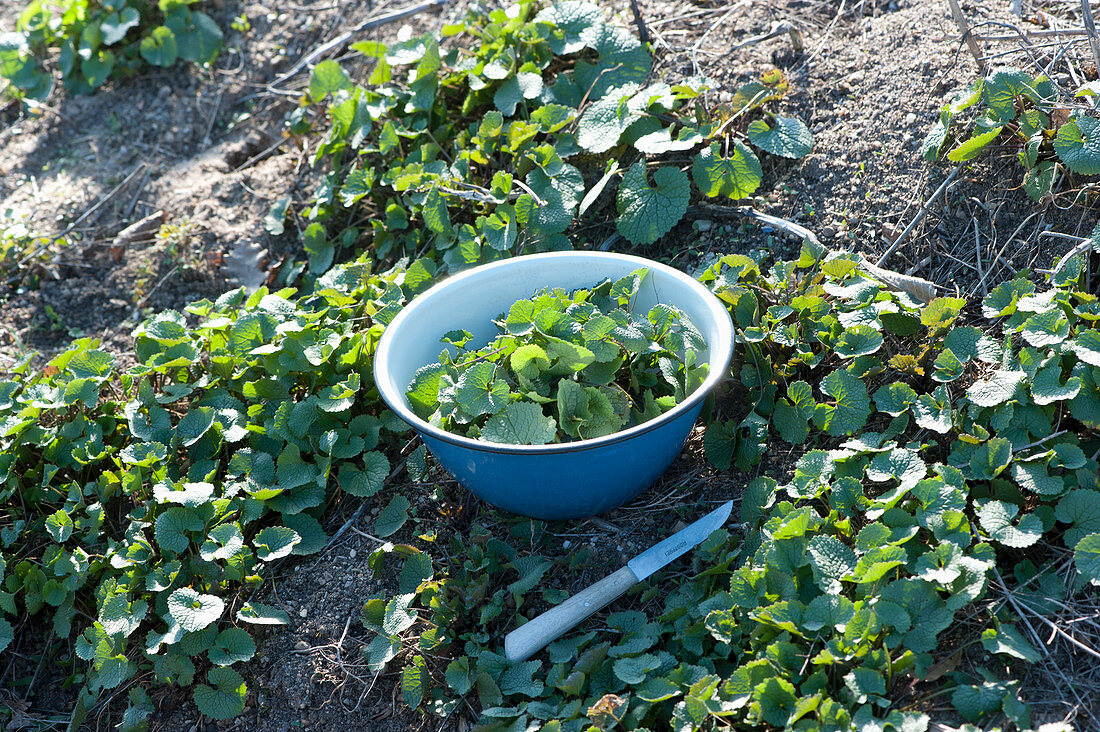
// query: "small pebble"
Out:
[302,613]
[910,118]
[566,544]
[301,646]
[828,232]
[351,553]
[704,224]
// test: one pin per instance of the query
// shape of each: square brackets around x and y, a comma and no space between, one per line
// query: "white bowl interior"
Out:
[471,300]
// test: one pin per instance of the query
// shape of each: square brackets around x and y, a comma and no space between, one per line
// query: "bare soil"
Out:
[207,148]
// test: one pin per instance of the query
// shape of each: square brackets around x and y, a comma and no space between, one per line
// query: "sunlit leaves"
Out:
[850,406]
[1078,145]
[789,137]
[226,698]
[1086,557]
[193,610]
[998,389]
[520,423]
[999,520]
[737,176]
[646,212]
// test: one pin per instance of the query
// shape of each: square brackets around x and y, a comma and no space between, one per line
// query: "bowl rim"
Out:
[393,394]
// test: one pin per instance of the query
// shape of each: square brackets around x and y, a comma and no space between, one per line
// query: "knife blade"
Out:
[529,638]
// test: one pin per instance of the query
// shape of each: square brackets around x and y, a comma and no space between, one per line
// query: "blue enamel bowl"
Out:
[561,481]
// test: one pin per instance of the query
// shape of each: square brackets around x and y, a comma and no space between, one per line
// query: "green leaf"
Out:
[194,611]
[1048,388]
[1039,181]
[7,634]
[927,612]
[515,89]
[1034,477]
[231,645]
[971,148]
[529,360]
[518,679]
[661,141]
[98,68]
[1009,641]
[191,495]
[412,682]
[227,699]
[59,526]
[830,560]
[520,423]
[136,716]
[368,481]
[328,78]
[633,669]
[259,614]
[606,119]
[1078,145]
[579,22]
[416,570]
[737,177]
[974,702]
[1086,556]
[115,25]
[143,454]
[119,616]
[274,220]
[865,683]
[223,542]
[458,676]
[901,464]
[392,517]
[997,390]
[646,214]
[1046,329]
[777,701]
[275,542]
[941,312]
[858,340]
[198,38]
[1086,345]
[826,611]
[172,528]
[313,536]
[790,138]
[990,458]
[932,146]
[852,407]
[894,398]
[1081,509]
[996,517]
[1002,88]
[790,417]
[479,391]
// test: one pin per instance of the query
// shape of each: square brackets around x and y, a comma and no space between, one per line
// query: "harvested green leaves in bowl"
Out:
[565,366]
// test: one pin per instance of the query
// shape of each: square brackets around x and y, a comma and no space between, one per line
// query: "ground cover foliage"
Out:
[141,507]
[1049,130]
[500,144]
[939,452]
[89,42]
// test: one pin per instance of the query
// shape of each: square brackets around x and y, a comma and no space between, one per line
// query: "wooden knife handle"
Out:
[526,640]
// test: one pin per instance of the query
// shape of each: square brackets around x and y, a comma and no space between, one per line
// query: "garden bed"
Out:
[868,83]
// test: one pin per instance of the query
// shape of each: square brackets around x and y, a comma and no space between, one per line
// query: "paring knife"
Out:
[526,640]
